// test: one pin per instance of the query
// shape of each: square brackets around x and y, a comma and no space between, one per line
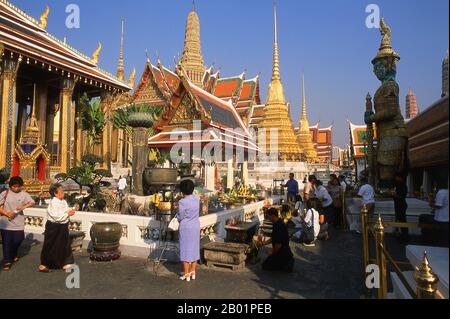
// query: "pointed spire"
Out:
[276,58]
[276,90]
[192,59]
[120,68]
[304,114]
[305,137]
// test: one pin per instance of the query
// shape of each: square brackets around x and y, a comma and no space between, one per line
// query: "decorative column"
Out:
[42,110]
[68,86]
[106,142]
[210,177]
[10,68]
[140,122]
[79,133]
[230,174]
[245,172]
[120,148]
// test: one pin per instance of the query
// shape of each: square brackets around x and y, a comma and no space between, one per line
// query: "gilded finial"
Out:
[148,58]
[386,50]
[96,54]
[426,279]
[44,18]
[131,79]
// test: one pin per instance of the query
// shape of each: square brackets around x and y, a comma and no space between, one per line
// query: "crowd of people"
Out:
[313,213]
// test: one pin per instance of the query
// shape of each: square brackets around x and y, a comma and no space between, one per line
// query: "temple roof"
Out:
[222,113]
[358,139]
[22,34]
[229,88]
[223,120]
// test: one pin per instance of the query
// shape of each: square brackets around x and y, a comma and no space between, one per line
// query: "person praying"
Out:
[189,218]
[281,258]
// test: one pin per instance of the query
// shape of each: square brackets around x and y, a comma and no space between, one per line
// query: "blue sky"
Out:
[327,39]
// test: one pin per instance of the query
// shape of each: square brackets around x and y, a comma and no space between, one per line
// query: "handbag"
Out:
[308,235]
[174,224]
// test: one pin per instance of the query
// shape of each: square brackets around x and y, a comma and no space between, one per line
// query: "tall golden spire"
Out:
[192,60]
[276,113]
[304,135]
[121,68]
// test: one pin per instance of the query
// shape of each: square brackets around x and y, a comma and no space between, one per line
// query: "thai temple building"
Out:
[412,110]
[358,147]
[42,80]
[304,134]
[323,142]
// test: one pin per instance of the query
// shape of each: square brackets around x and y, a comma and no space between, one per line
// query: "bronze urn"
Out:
[106,241]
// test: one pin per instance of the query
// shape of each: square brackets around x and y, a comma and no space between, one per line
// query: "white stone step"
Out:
[439,261]
[400,291]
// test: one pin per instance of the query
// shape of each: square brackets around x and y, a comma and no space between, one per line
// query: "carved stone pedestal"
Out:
[226,255]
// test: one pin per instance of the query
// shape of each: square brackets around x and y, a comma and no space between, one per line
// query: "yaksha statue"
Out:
[391,153]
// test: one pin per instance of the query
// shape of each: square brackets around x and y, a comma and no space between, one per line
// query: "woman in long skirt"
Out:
[57,252]
[189,218]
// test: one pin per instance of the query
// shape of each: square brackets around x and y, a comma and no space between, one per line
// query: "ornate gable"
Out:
[148,92]
[185,114]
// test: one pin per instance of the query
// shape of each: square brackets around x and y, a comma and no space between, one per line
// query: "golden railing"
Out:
[426,281]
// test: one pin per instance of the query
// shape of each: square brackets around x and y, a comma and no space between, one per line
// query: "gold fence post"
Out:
[365,235]
[426,280]
[381,258]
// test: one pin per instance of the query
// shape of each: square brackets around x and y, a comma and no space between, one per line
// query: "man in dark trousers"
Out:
[400,193]
[281,258]
[293,188]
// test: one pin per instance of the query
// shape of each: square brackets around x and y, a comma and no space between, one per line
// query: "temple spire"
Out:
[120,68]
[304,136]
[276,58]
[276,91]
[304,114]
[276,112]
[192,60]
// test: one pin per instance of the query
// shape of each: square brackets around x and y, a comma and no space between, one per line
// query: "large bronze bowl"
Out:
[106,241]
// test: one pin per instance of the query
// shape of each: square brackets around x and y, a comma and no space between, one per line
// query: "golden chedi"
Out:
[192,60]
[304,135]
[276,114]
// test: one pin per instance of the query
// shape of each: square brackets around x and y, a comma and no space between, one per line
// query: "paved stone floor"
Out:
[333,269]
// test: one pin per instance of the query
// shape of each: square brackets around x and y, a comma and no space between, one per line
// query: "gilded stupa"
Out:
[304,135]
[276,113]
[192,60]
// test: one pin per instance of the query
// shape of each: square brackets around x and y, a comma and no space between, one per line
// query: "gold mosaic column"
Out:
[8,100]
[68,86]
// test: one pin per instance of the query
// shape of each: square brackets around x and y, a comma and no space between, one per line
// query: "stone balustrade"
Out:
[141,234]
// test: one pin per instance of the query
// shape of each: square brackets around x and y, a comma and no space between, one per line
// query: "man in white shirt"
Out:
[343,183]
[367,193]
[121,186]
[325,198]
[440,218]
